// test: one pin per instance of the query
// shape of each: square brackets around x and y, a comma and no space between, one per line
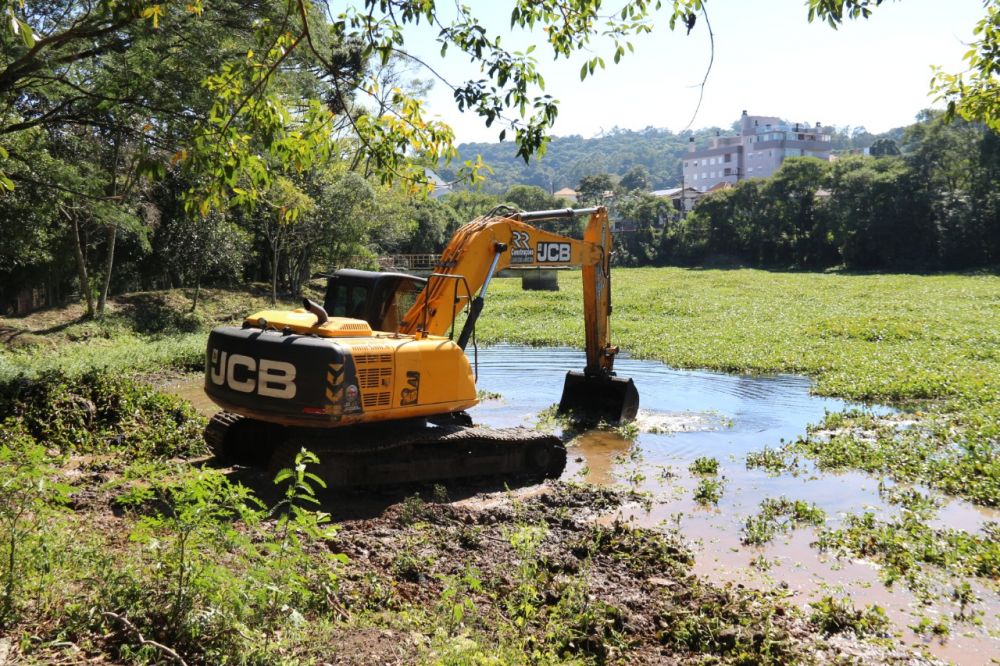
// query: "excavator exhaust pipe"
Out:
[610,399]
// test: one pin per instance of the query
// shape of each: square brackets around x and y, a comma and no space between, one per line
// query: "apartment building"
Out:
[756,152]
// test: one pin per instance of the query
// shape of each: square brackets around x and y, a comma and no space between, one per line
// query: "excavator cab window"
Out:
[399,303]
[349,301]
[381,299]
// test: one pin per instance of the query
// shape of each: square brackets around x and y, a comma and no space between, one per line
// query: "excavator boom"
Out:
[493,242]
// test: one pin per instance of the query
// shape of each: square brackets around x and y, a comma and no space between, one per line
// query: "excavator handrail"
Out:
[554,214]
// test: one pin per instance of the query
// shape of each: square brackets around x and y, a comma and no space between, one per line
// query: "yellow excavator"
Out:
[375,382]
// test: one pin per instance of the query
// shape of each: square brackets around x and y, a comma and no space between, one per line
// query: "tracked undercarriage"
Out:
[394,453]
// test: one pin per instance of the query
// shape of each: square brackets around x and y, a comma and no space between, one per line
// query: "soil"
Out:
[413,547]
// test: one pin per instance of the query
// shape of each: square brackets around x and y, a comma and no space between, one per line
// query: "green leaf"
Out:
[27,36]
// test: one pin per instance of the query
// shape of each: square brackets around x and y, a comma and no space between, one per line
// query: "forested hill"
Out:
[569,158]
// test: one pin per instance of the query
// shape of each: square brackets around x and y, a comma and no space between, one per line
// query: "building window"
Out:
[685,165]
[704,174]
[729,158]
[728,172]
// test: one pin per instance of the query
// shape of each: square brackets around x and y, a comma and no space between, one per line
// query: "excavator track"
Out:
[395,453]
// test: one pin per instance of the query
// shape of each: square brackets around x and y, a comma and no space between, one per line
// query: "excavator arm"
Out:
[494,242]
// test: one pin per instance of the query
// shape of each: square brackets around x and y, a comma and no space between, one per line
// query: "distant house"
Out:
[723,185]
[756,152]
[683,198]
[567,193]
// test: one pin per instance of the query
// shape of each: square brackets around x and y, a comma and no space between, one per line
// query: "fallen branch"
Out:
[143,640]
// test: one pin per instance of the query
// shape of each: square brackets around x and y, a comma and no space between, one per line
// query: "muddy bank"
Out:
[551,568]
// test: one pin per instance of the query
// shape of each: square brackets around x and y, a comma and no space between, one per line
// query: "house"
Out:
[756,152]
[566,193]
[683,198]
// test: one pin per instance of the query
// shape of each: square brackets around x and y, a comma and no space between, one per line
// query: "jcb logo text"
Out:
[274,379]
[553,252]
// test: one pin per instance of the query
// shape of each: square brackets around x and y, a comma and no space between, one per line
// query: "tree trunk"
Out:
[108,265]
[274,277]
[81,265]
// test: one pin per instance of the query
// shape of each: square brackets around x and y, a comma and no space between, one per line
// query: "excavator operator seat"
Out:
[381,299]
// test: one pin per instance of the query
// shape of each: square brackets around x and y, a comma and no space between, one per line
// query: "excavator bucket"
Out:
[608,399]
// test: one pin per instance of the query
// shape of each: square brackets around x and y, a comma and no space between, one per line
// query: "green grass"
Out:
[141,333]
[927,343]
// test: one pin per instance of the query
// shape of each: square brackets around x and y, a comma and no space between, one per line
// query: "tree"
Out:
[881,217]
[637,178]
[532,197]
[884,147]
[468,205]
[596,189]
[795,223]
[975,94]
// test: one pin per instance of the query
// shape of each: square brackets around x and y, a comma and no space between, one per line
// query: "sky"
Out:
[769,60]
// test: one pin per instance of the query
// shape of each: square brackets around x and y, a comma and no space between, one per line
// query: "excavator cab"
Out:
[381,299]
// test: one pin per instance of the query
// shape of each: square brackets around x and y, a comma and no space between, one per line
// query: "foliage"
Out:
[640,550]
[834,616]
[902,545]
[973,94]
[774,461]
[705,465]
[98,412]
[709,490]
[779,515]
[737,625]
[197,522]
[28,497]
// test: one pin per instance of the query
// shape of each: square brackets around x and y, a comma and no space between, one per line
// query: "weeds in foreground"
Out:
[834,616]
[28,497]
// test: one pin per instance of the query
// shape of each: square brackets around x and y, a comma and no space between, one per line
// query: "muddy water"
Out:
[688,414]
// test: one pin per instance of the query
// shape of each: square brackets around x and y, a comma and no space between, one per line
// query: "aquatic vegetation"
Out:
[97,412]
[903,545]
[704,465]
[932,451]
[779,516]
[774,461]
[834,616]
[709,490]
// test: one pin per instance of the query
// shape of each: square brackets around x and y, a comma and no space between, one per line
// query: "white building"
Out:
[756,152]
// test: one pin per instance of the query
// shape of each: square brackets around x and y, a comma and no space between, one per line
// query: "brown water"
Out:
[688,414]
